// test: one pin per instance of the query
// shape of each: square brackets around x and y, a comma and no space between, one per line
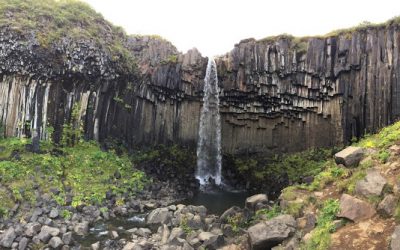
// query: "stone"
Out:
[355,209]
[230,212]
[176,232]
[210,240]
[8,237]
[132,246]
[95,246]
[54,213]
[144,232]
[252,201]
[371,185]
[307,223]
[47,232]
[67,238]
[268,234]
[387,206]
[114,235]
[159,216]
[349,156]
[395,239]
[55,242]
[23,243]
[82,228]
[32,229]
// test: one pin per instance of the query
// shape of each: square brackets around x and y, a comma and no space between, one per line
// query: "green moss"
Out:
[385,138]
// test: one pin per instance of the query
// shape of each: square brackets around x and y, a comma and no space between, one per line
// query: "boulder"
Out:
[32,229]
[53,213]
[55,242]
[371,185]
[307,223]
[252,201]
[349,156]
[7,238]
[268,234]
[210,240]
[81,228]
[387,206]
[47,232]
[355,209]
[231,212]
[395,239]
[159,216]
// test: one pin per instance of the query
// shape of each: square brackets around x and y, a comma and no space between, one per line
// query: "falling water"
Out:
[209,144]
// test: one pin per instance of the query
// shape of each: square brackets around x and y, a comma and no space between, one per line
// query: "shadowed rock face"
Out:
[275,96]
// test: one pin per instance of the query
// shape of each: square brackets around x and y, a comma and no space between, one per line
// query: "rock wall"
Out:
[277,95]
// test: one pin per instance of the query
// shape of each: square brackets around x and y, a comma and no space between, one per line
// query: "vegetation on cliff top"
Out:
[53,20]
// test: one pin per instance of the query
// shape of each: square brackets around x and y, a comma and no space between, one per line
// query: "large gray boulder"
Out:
[371,185]
[268,234]
[252,201]
[159,216]
[355,209]
[7,238]
[395,239]
[349,156]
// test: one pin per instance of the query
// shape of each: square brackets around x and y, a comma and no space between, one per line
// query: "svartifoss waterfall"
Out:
[209,143]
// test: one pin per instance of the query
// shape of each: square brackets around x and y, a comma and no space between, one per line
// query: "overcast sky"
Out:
[214,26]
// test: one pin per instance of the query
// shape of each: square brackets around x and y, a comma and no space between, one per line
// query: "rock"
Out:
[165,233]
[23,243]
[144,232]
[306,223]
[252,201]
[270,233]
[210,240]
[47,232]
[176,232]
[372,184]
[349,156]
[67,238]
[395,239]
[55,242]
[355,209]
[114,235]
[32,229]
[7,238]
[36,213]
[53,213]
[95,246]
[159,216]
[388,205]
[231,212]
[82,228]
[132,246]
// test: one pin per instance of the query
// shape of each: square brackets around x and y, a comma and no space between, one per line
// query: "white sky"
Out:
[214,26]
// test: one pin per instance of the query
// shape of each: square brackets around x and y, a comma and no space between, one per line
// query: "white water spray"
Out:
[209,143]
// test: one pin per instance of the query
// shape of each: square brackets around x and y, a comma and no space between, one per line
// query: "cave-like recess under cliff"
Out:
[277,95]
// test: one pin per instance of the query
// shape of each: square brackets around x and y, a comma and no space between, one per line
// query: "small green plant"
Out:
[235,221]
[185,226]
[383,155]
[269,213]
[66,214]
[320,236]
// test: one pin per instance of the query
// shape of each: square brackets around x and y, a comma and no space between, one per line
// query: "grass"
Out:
[53,20]
[85,168]
[320,236]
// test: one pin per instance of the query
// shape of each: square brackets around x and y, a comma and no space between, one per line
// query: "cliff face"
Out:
[277,95]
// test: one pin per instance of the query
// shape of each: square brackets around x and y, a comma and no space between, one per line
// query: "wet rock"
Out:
[159,216]
[388,205]
[55,242]
[395,239]
[372,184]
[7,238]
[252,201]
[47,232]
[23,243]
[349,156]
[270,233]
[82,228]
[355,209]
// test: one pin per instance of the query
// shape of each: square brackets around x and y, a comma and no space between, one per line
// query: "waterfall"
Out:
[209,143]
